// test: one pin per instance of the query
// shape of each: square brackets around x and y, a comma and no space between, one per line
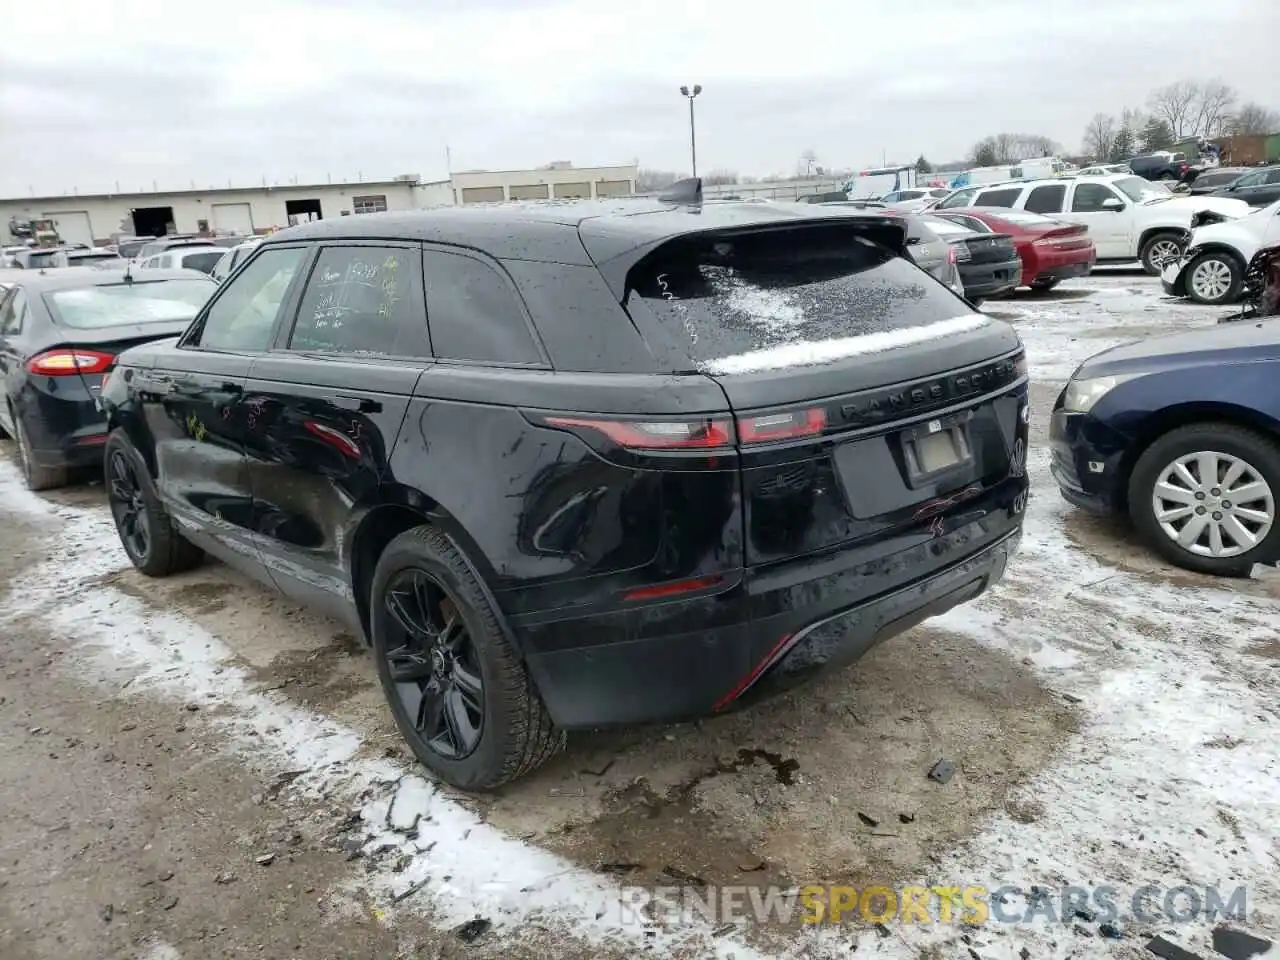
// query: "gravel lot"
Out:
[196,768]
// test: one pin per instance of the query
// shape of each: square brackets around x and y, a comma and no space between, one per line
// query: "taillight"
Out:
[962,251]
[66,362]
[782,426]
[702,434]
[951,255]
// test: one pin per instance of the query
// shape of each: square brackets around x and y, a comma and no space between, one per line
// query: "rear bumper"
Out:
[778,626]
[63,433]
[988,279]
[1059,268]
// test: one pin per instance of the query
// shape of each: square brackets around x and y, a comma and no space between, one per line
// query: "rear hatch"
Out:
[868,397]
[97,323]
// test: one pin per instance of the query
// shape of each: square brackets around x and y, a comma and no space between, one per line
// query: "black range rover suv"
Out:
[573,465]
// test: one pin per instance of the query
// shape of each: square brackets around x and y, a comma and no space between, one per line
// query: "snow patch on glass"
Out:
[825,351]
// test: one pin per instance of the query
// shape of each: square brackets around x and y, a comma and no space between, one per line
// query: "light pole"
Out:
[693,140]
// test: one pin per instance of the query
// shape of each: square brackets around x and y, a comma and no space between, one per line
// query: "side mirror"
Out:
[1114,204]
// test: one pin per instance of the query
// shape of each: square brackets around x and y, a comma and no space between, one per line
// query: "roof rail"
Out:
[683,191]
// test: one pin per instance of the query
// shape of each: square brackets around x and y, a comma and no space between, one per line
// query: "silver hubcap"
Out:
[1163,250]
[1213,504]
[1211,279]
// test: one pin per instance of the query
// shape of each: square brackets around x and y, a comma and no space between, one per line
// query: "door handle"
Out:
[358,404]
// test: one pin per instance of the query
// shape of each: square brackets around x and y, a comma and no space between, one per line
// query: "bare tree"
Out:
[1253,118]
[1100,136]
[649,180]
[720,176]
[1175,105]
[1211,106]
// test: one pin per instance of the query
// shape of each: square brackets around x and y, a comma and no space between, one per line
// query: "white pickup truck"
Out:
[1128,218]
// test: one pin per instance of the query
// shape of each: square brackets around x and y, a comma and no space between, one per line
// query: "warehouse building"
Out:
[85,218]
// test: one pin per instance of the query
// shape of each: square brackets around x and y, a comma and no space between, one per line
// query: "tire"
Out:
[1225,277]
[1157,245]
[161,550]
[35,476]
[514,733]
[1260,456]
[1044,285]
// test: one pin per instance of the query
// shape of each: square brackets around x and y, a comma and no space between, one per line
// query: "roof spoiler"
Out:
[683,191]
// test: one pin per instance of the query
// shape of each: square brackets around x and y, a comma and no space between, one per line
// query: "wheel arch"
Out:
[403,508]
[1219,247]
[1186,415]
[1151,232]
[128,417]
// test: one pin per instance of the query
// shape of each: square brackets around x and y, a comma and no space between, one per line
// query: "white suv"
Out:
[1128,218]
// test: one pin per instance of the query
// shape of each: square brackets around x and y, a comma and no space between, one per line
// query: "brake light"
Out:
[700,434]
[782,426]
[63,363]
[951,255]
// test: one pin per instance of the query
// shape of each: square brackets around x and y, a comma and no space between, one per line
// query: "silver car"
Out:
[928,251]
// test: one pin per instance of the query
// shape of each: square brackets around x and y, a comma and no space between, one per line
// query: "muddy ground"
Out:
[132,827]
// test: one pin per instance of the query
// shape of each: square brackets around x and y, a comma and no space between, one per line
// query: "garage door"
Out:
[613,188]
[529,191]
[233,218]
[573,191]
[482,195]
[73,225]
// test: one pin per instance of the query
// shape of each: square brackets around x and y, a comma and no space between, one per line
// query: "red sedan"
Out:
[1051,251]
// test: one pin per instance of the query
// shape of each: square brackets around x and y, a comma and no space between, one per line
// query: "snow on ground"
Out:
[1174,779]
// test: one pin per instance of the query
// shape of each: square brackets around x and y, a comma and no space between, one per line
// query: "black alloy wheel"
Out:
[124,495]
[434,664]
[147,533]
[456,685]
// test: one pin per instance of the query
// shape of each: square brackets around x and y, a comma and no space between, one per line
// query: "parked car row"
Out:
[1128,218]
[567,466]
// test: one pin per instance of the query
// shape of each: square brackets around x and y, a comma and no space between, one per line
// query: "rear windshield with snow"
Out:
[157,301]
[725,296]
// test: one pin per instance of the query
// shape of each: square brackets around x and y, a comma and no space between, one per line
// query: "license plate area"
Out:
[936,448]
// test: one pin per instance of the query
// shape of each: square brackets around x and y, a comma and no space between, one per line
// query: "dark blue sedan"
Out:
[1182,434]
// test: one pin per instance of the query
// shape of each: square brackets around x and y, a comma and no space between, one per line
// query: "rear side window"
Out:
[365,301]
[723,296]
[998,198]
[1047,199]
[474,313]
[13,315]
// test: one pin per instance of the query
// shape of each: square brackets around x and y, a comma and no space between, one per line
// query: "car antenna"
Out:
[684,191]
[128,271]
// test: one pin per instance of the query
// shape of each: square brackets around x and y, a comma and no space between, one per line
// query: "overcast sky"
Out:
[94,92]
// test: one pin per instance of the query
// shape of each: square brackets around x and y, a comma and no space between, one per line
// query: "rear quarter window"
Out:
[727,298]
[998,198]
[474,312]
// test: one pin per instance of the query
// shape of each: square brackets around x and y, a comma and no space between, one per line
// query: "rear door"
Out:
[324,407]
[862,390]
[193,403]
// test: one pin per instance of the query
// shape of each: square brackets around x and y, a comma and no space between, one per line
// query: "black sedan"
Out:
[988,262]
[60,332]
[1182,434]
[1258,187]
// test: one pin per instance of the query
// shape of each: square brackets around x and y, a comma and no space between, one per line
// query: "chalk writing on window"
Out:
[352,303]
